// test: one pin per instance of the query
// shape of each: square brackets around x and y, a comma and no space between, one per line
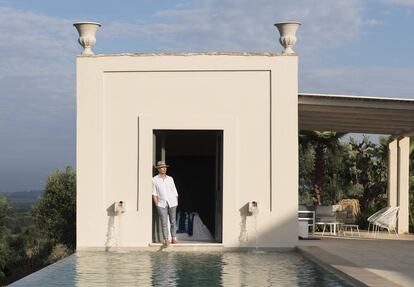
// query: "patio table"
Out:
[351,228]
[333,227]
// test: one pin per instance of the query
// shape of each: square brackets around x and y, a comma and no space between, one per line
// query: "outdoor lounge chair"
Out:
[375,216]
[388,220]
[325,214]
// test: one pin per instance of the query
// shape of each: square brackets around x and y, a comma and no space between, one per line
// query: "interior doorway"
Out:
[195,158]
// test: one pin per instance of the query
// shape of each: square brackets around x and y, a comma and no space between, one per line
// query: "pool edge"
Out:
[52,265]
[186,247]
[346,270]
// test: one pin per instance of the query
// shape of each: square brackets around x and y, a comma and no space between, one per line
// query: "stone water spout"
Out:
[253,208]
[119,207]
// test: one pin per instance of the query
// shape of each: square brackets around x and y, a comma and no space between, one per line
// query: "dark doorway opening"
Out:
[195,158]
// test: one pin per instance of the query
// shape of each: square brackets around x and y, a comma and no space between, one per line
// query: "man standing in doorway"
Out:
[165,197]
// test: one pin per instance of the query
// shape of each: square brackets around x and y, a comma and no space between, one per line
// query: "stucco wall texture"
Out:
[251,97]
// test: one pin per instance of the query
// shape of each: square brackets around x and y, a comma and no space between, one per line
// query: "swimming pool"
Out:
[148,268]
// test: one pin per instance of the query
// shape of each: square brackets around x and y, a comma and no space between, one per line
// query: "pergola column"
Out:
[399,180]
[392,193]
[403,199]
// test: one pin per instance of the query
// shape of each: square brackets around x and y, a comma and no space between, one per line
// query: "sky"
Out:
[353,47]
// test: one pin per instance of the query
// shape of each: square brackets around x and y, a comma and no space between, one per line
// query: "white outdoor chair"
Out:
[375,216]
[388,220]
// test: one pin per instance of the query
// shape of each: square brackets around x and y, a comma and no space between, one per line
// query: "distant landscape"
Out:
[22,200]
[37,227]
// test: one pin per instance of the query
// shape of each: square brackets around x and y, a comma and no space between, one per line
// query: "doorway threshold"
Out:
[189,245]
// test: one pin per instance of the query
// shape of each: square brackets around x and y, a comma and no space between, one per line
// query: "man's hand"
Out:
[155,199]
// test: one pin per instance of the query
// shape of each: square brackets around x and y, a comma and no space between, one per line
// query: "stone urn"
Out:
[287,38]
[87,32]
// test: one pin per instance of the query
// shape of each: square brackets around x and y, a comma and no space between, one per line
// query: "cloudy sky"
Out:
[357,47]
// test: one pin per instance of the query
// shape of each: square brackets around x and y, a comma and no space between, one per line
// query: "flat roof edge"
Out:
[187,54]
[353,97]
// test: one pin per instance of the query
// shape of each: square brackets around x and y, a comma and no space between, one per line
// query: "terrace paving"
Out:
[381,261]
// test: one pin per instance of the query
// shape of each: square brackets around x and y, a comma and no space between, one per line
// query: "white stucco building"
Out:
[246,104]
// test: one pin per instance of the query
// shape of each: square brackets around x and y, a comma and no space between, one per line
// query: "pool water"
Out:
[147,268]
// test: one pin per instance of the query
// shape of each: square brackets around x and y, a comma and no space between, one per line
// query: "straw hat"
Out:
[161,164]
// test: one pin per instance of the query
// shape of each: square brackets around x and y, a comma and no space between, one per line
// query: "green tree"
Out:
[367,168]
[55,211]
[306,159]
[352,169]
[321,142]
[4,248]
[4,212]
[335,181]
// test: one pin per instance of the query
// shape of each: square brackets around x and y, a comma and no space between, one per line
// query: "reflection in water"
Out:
[182,269]
[148,269]
[187,269]
[113,269]
[164,269]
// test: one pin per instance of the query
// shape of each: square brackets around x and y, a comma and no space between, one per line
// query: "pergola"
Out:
[371,115]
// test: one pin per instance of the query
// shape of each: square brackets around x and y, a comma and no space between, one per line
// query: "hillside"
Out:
[22,200]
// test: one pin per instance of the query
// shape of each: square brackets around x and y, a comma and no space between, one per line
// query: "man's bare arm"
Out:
[155,199]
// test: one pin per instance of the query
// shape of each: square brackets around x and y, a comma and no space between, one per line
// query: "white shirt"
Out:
[165,189]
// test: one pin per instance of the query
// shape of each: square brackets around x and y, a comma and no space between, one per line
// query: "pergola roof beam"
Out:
[328,116]
[357,102]
[408,114]
[355,114]
[347,129]
[355,121]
